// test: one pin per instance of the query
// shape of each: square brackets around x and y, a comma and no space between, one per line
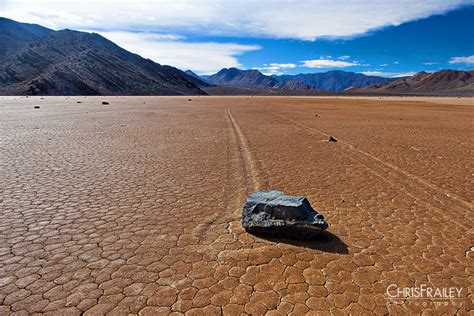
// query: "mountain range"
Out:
[35,60]
[335,80]
[444,82]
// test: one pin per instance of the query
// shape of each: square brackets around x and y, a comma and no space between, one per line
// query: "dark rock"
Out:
[78,102]
[332,139]
[190,99]
[105,103]
[272,213]
[36,106]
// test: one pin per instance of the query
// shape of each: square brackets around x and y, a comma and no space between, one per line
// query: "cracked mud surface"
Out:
[135,207]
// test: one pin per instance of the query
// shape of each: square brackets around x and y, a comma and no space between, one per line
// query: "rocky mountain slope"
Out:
[14,36]
[77,63]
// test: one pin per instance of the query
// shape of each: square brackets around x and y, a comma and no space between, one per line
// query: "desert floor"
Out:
[135,207]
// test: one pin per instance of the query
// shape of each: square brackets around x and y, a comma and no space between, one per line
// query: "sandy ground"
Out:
[135,207]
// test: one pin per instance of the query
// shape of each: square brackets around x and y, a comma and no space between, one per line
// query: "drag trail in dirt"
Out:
[135,207]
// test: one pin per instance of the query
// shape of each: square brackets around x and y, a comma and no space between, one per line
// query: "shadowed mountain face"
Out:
[14,36]
[335,80]
[78,63]
[445,82]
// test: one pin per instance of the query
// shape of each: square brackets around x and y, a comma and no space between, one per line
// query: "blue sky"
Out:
[388,38]
[428,44]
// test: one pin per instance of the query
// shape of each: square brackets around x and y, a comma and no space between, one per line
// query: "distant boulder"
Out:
[272,213]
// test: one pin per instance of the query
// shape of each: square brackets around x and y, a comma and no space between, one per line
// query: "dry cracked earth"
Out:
[134,207]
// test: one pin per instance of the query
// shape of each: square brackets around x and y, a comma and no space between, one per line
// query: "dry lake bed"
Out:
[134,207]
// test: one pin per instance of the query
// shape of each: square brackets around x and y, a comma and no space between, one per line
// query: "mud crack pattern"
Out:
[135,208]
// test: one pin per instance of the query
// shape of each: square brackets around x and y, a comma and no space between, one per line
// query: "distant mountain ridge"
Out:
[77,63]
[242,78]
[334,80]
[444,82]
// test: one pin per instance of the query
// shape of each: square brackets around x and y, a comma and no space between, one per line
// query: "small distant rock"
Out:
[190,99]
[78,102]
[316,115]
[105,103]
[272,213]
[36,107]
[332,139]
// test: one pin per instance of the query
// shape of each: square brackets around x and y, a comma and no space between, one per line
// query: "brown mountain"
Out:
[77,63]
[444,82]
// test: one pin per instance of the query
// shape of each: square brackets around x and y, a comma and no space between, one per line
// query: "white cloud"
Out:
[275,68]
[345,57]
[389,74]
[383,65]
[469,60]
[300,19]
[327,63]
[430,63]
[201,57]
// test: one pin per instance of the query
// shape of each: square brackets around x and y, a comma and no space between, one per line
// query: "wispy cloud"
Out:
[201,57]
[328,63]
[307,20]
[275,68]
[389,74]
[468,60]
[430,63]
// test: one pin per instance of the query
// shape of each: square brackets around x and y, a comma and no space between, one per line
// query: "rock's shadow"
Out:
[325,241]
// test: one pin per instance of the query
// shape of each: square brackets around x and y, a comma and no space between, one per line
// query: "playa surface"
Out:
[135,207]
